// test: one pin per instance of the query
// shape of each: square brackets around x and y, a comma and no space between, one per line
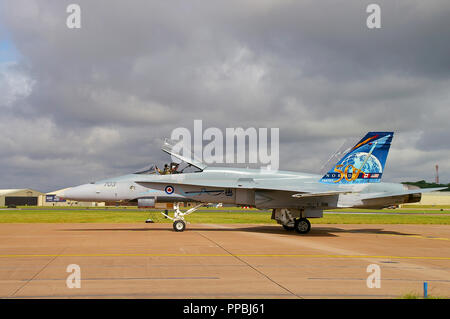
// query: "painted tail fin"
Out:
[363,163]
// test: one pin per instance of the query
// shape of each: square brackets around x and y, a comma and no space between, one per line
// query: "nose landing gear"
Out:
[179,223]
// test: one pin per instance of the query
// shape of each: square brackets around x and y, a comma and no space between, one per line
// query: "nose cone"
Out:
[86,192]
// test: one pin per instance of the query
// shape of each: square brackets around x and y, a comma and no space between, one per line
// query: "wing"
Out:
[303,195]
[298,186]
[293,186]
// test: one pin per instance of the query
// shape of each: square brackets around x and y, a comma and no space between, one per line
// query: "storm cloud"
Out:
[82,104]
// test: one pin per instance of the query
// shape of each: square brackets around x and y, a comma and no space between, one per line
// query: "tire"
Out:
[179,225]
[302,226]
[288,228]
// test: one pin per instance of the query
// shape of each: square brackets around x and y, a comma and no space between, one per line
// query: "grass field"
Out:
[414,295]
[427,206]
[217,216]
[395,211]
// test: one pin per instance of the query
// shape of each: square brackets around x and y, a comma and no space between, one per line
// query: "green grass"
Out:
[381,219]
[393,211]
[211,215]
[92,216]
[413,295]
[427,206]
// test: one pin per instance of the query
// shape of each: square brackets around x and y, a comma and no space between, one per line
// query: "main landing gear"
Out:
[291,219]
[300,225]
[179,223]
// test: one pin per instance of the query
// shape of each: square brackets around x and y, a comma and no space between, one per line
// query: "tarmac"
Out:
[222,261]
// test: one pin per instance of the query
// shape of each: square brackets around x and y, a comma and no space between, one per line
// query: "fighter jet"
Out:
[293,197]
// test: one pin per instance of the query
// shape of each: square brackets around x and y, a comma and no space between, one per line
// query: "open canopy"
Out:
[149,170]
[188,161]
[189,158]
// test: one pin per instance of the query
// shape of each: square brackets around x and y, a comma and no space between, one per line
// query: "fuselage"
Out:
[293,197]
[250,187]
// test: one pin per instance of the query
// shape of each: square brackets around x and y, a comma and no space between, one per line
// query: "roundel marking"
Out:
[169,189]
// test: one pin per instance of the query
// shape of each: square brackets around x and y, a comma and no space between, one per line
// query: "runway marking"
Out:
[190,295]
[226,255]
[249,265]
[36,274]
[388,279]
[132,278]
[419,236]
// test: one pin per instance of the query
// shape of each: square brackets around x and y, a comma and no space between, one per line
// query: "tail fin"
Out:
[363,163]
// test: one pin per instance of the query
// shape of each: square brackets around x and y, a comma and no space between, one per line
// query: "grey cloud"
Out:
[104,95]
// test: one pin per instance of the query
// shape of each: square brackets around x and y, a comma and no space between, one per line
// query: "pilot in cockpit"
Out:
[165,171]
[174,168]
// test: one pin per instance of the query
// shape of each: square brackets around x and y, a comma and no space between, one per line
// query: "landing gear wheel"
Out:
[179,225]
[289,228]
[302,226]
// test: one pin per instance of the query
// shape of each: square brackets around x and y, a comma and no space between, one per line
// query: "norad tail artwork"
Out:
[363,163]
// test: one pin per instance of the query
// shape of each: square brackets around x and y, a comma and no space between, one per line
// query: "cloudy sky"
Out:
[78,105]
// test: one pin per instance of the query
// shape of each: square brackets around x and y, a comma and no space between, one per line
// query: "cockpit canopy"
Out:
[188,162]
[187,156]
[147,171]
[174,168]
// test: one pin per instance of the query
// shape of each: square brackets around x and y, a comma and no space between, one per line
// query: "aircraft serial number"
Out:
[110,184]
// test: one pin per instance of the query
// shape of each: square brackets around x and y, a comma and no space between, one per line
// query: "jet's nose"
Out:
[85,192]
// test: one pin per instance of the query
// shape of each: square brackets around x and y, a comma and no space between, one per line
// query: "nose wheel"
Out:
[179,223]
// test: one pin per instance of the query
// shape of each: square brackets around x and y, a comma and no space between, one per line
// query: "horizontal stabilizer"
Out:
[394,194]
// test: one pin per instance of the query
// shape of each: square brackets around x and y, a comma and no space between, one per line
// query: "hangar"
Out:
[26,196]
[435,198]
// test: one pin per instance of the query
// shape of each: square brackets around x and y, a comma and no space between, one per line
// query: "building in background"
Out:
[434,198]
[30,197]
[20,197]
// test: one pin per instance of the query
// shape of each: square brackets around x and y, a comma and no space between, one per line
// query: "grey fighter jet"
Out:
[293,197]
